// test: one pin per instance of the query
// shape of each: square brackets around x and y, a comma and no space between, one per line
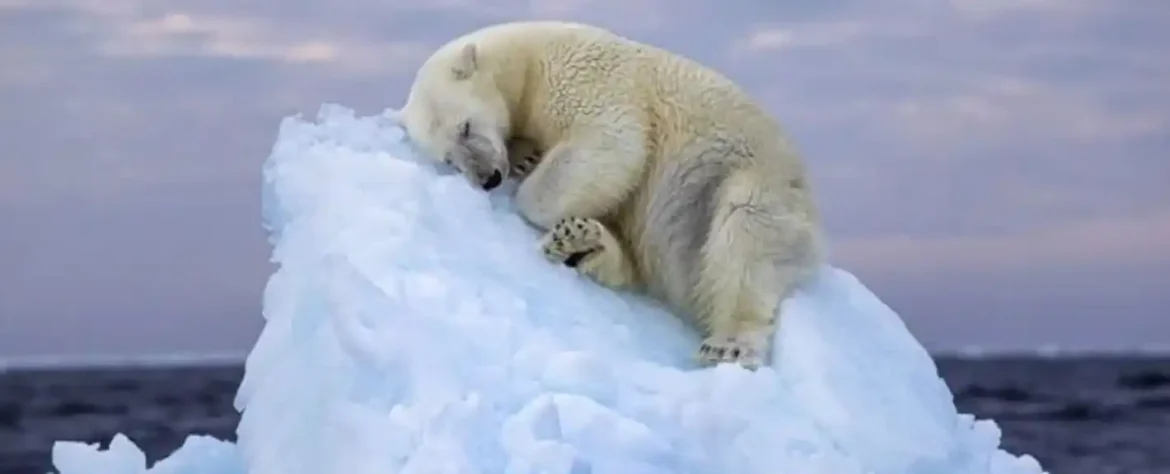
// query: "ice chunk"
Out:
[199,454]
[413,327]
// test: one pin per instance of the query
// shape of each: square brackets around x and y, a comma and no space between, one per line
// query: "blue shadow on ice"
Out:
[413,327]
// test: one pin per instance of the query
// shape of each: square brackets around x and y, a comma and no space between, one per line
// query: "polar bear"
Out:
[647,171]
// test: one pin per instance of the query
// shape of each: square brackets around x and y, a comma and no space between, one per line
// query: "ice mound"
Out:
[413,327]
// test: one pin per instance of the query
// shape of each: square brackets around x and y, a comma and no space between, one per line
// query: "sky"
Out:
[997,171]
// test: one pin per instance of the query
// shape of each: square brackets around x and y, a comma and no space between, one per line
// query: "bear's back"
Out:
[674,87]
[590,71]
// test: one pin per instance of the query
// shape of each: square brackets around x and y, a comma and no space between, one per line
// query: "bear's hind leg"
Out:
[755,255]
[587,245]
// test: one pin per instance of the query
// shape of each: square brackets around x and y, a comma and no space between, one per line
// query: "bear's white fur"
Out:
[654,172]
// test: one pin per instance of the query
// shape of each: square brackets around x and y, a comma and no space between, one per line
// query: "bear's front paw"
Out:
[572,240]
[743,351]
[523,156]
[523,165]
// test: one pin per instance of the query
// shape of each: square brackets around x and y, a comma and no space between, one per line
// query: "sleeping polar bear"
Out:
[648,171]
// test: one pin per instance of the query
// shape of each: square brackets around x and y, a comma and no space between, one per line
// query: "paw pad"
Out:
[716,350]
[572,240]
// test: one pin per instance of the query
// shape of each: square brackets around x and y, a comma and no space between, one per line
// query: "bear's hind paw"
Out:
[718,349]
[572,240]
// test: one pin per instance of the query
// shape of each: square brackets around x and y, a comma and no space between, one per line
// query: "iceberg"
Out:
[413,327]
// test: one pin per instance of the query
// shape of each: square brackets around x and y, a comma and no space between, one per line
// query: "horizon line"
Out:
[214,359]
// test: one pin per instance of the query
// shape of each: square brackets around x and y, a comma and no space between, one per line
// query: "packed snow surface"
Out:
[413,327]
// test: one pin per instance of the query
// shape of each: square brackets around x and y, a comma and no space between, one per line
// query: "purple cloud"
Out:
[982,164]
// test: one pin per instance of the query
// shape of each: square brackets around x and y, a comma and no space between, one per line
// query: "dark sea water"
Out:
[1077,416]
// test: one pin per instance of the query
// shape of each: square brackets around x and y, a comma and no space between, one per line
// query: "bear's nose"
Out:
[494,180]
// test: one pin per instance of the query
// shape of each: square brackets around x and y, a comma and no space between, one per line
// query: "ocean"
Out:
[1076,415]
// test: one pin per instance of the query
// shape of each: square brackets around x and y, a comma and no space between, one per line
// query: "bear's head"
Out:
[456,114]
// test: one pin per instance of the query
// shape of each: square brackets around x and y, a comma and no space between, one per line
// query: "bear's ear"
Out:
[466,63]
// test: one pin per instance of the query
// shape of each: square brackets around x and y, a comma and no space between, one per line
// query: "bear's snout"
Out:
[493,180]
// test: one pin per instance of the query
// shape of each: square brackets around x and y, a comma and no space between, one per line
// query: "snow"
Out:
[413,327]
